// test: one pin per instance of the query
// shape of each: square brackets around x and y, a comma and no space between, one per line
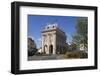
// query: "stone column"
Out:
[43,43]
[54,43]
[47,41]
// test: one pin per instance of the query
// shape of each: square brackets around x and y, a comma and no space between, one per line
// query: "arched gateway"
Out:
[51,49]
[52,36]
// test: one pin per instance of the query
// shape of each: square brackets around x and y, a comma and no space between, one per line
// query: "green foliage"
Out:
[73,46]
[81,35]
[76,54]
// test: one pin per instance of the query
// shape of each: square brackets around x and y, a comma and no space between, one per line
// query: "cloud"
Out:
[69,38]
[39,39]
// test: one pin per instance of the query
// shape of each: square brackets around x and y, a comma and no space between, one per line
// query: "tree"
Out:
[73,46]
[81,36]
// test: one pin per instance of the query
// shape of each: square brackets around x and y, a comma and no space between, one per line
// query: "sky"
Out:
[36,23]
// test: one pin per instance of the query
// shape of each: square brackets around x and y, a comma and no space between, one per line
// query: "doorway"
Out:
[51,49]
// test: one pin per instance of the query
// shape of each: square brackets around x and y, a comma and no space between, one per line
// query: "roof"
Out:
[52,27]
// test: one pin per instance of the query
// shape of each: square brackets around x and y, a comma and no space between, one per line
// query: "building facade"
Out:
[31,47]
[53,40]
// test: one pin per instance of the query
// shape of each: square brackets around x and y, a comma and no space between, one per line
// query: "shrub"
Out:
[76,54]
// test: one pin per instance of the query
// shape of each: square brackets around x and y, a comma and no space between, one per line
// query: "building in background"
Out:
[31,47]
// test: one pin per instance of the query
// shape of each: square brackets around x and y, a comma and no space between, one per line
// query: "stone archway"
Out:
[45,48]
[51,49]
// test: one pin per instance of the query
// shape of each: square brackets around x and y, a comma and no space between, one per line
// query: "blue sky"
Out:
[37,22]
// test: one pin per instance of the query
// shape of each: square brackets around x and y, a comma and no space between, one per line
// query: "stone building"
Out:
[53,40]
[31,47]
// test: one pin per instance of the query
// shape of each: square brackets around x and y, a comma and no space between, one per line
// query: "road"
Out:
[47,57]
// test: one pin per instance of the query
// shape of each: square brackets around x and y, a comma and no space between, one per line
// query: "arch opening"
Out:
[45,48]
[51,49]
